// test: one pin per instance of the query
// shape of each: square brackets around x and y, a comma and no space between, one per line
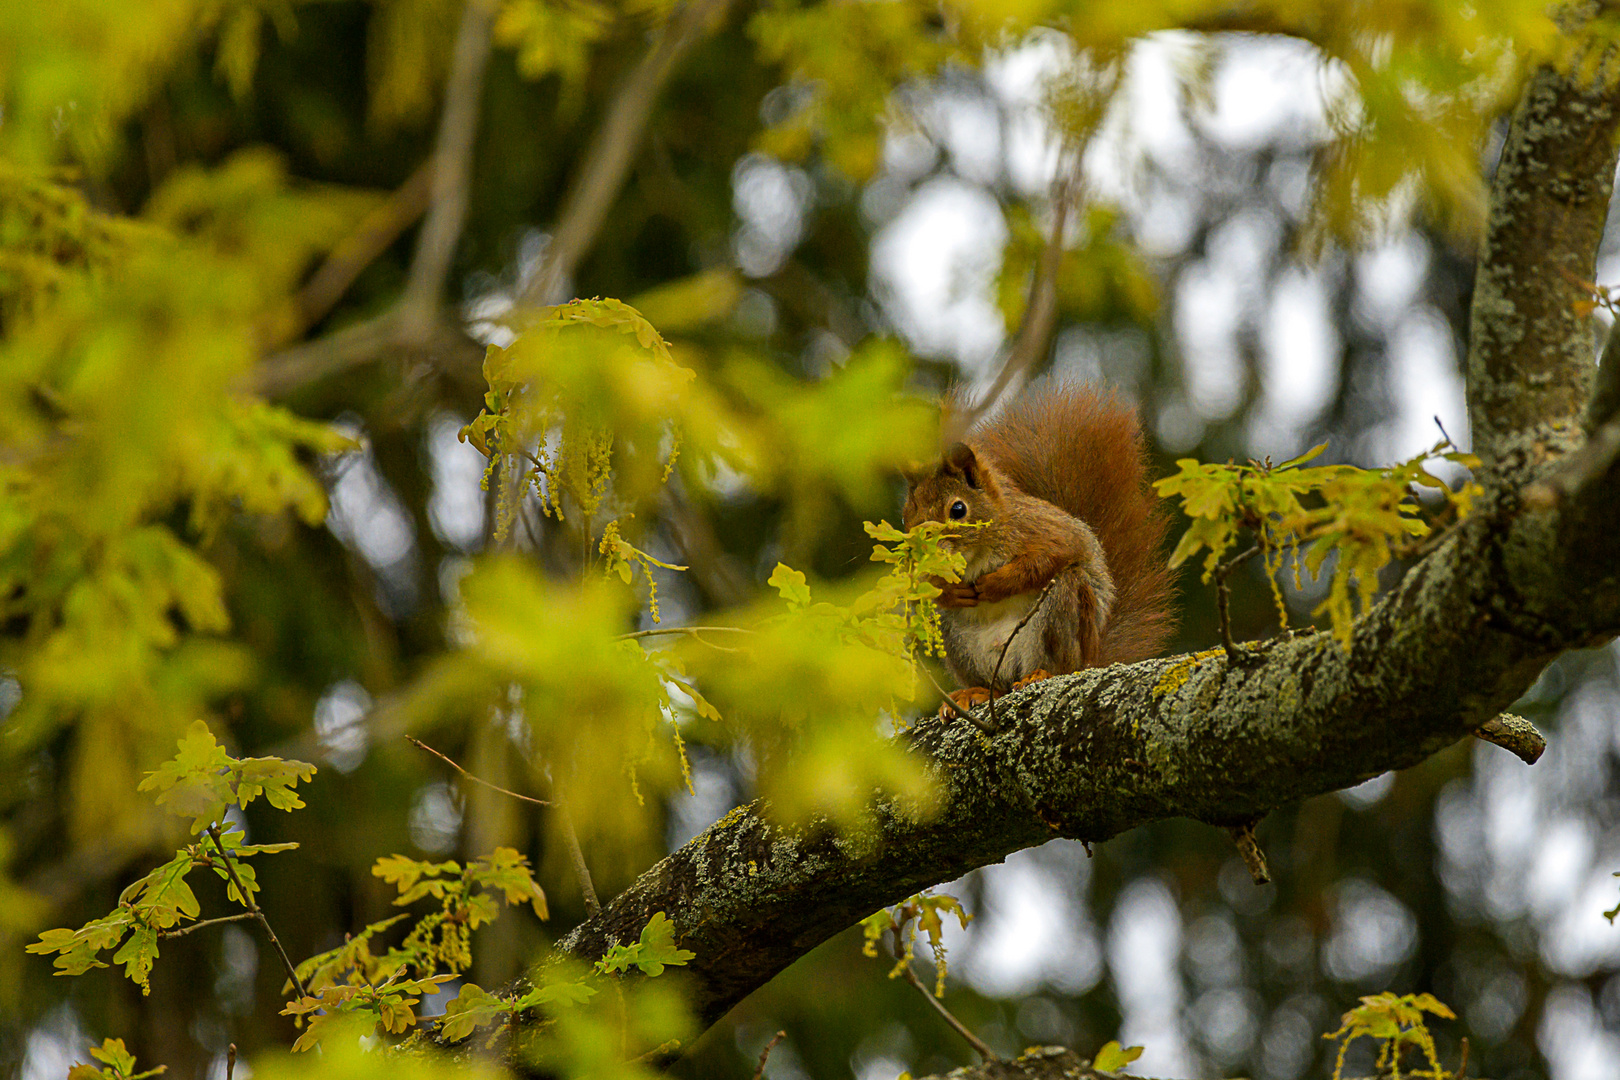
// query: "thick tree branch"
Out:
[1090,755]
[1530,351]
[1036,1063]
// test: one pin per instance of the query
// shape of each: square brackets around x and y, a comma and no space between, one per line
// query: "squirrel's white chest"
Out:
[983,629]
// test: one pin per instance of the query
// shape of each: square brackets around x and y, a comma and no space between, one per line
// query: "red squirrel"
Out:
[1059,480]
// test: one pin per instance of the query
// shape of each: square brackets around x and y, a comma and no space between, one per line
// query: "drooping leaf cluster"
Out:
[923,913]
[1396,1021]
[589,408]
[1361,518]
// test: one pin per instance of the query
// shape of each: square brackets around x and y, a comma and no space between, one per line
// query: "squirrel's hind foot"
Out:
[965,699]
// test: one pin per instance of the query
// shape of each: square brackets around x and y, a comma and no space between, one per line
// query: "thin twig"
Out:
[960,1028]
[986,726]
[248,902]
[1223,596]
[1462,1066]
[206,922]
[1005,645]
[614,146]
[765,1054]
[452,167]
[576,856]
[420,745]
[684,630]
[694,632]
[230,1061]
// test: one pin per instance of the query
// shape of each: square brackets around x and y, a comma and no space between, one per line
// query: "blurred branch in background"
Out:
[618,139]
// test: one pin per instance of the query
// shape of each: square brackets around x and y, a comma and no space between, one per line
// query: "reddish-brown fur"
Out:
[1058,487]
[1082,451]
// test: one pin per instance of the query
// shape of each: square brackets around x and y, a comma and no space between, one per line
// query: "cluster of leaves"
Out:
[126,444]
[587,408]
[352,982]
[117,1063]
[200,783]
[564,986]
[923,913]
[903,598]
[389,1006]
[1362,517]
[844,59]
[1412,86]
[1396,1021]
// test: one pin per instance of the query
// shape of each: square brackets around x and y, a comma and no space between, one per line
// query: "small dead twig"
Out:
[206,922]
[1249,848]
[248,902]
[684,630]
[1514,734]
[230,1061]
[694,632]
[960,1028]
[765,1054]
[576,855]
[986,726]
[1223,599]
[1005,645]
[1576,469]
[420,745]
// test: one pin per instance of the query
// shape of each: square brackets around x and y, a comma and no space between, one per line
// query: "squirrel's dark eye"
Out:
[958,510]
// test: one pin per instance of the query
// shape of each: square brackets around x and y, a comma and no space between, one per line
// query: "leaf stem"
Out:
[960,1028]
[765,1054]
[420,745]
[248,902]
[1005,645]
[1222,601]
[206,922]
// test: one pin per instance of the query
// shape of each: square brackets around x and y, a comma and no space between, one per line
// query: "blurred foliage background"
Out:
[833,213]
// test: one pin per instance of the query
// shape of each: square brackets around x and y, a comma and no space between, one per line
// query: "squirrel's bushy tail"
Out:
[1081,449]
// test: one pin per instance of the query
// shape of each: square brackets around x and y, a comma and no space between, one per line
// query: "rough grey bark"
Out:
[1530,349]
[1036,1063]
[1089,755]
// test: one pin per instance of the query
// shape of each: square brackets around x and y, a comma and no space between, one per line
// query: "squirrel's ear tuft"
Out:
[916,473]
[961,459]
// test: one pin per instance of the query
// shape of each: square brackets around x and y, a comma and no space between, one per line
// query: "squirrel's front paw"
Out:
[956,594]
